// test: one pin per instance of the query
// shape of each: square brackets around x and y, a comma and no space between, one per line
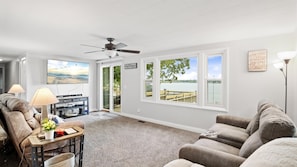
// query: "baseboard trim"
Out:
[169,124]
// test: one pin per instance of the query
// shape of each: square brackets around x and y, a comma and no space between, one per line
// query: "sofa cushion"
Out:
[280,152]
[182,163]
[250,145]
[274,124]
[217,146]
[230,132]
[254,124]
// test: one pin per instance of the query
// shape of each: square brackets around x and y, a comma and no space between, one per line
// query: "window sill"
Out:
[187,105]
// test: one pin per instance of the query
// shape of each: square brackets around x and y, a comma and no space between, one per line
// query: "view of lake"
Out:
[179,86]
[214,92]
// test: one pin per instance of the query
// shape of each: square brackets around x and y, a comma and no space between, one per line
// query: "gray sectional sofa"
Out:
[233,140]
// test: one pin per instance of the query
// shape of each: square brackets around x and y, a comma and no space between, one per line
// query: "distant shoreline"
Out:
[55,80]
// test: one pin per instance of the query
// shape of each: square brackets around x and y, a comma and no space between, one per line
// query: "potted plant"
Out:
[48,126]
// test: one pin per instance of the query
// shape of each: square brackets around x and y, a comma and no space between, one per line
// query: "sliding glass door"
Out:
[111,88]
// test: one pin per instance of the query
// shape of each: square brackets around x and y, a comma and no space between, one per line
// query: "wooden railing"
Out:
[183,96]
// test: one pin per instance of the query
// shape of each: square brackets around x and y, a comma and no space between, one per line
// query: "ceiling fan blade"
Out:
[120,45]
[92,51]
[90,46]
[129,51]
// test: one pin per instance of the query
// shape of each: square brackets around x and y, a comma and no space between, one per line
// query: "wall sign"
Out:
[257,60]
[130,66]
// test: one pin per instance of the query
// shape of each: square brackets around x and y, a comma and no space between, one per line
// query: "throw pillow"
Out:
[55,118]
[250,145]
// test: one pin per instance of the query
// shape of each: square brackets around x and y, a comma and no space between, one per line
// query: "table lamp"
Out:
[16,89]
[43,97]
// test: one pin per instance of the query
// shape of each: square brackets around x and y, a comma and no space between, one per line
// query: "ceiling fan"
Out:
[110,49]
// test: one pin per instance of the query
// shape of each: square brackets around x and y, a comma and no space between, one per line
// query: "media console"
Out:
[71,106]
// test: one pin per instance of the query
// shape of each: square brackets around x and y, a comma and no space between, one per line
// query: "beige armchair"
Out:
[20,124]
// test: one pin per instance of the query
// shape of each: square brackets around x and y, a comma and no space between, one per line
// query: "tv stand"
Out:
[71,106]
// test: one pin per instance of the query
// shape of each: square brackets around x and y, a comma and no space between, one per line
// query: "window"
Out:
[195,79]
[178,80]
[214,79]
[148,81]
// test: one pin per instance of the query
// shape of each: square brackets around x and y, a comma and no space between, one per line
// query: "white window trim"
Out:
[202,71]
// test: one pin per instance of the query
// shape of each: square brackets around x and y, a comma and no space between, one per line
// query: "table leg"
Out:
[81,150]
[34,157]
[4,151]
[42,156]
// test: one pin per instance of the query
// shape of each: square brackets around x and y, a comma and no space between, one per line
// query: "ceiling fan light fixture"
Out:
[110,53]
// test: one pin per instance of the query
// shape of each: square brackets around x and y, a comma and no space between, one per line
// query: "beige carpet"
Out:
[116,141]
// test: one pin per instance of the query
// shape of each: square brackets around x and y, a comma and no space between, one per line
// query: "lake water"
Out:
[179,86]
[214,89]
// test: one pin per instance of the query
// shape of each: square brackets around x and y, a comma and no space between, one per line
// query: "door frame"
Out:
[101,93]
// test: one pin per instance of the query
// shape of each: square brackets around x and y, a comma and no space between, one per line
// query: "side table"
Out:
[40,143]
[3,140]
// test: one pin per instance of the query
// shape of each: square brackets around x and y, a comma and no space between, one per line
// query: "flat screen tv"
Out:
[67,72]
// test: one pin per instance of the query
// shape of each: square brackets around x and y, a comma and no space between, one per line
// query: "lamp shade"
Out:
[16,88]
[279,65]
[288,55]
[43,96]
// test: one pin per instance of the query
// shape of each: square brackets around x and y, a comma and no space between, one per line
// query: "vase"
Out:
[49,135]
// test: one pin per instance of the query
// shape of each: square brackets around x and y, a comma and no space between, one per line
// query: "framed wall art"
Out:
[67,72]
[257,60]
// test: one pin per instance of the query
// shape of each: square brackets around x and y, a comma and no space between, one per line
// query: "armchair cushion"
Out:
[15,104]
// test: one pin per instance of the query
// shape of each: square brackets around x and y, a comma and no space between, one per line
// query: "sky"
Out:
[214,68]
[68,67]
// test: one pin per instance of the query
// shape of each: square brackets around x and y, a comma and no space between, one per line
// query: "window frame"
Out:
[202,71]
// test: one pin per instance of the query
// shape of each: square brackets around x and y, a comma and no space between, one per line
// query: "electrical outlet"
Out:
[138,109]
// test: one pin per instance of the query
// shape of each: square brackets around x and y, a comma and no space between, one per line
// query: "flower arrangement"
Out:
[48,125]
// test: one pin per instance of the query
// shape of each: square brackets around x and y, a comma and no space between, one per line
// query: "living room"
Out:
[238,32]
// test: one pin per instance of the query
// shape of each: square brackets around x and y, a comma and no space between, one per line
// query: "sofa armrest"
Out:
[209,157]
[233,120]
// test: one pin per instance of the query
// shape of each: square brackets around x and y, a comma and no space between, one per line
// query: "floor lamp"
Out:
[286,57]
[43,97]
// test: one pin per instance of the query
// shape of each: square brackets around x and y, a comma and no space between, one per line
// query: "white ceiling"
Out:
[58,27]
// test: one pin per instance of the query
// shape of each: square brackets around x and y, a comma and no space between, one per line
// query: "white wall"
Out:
[36,73]
[245,90]
[293,75]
